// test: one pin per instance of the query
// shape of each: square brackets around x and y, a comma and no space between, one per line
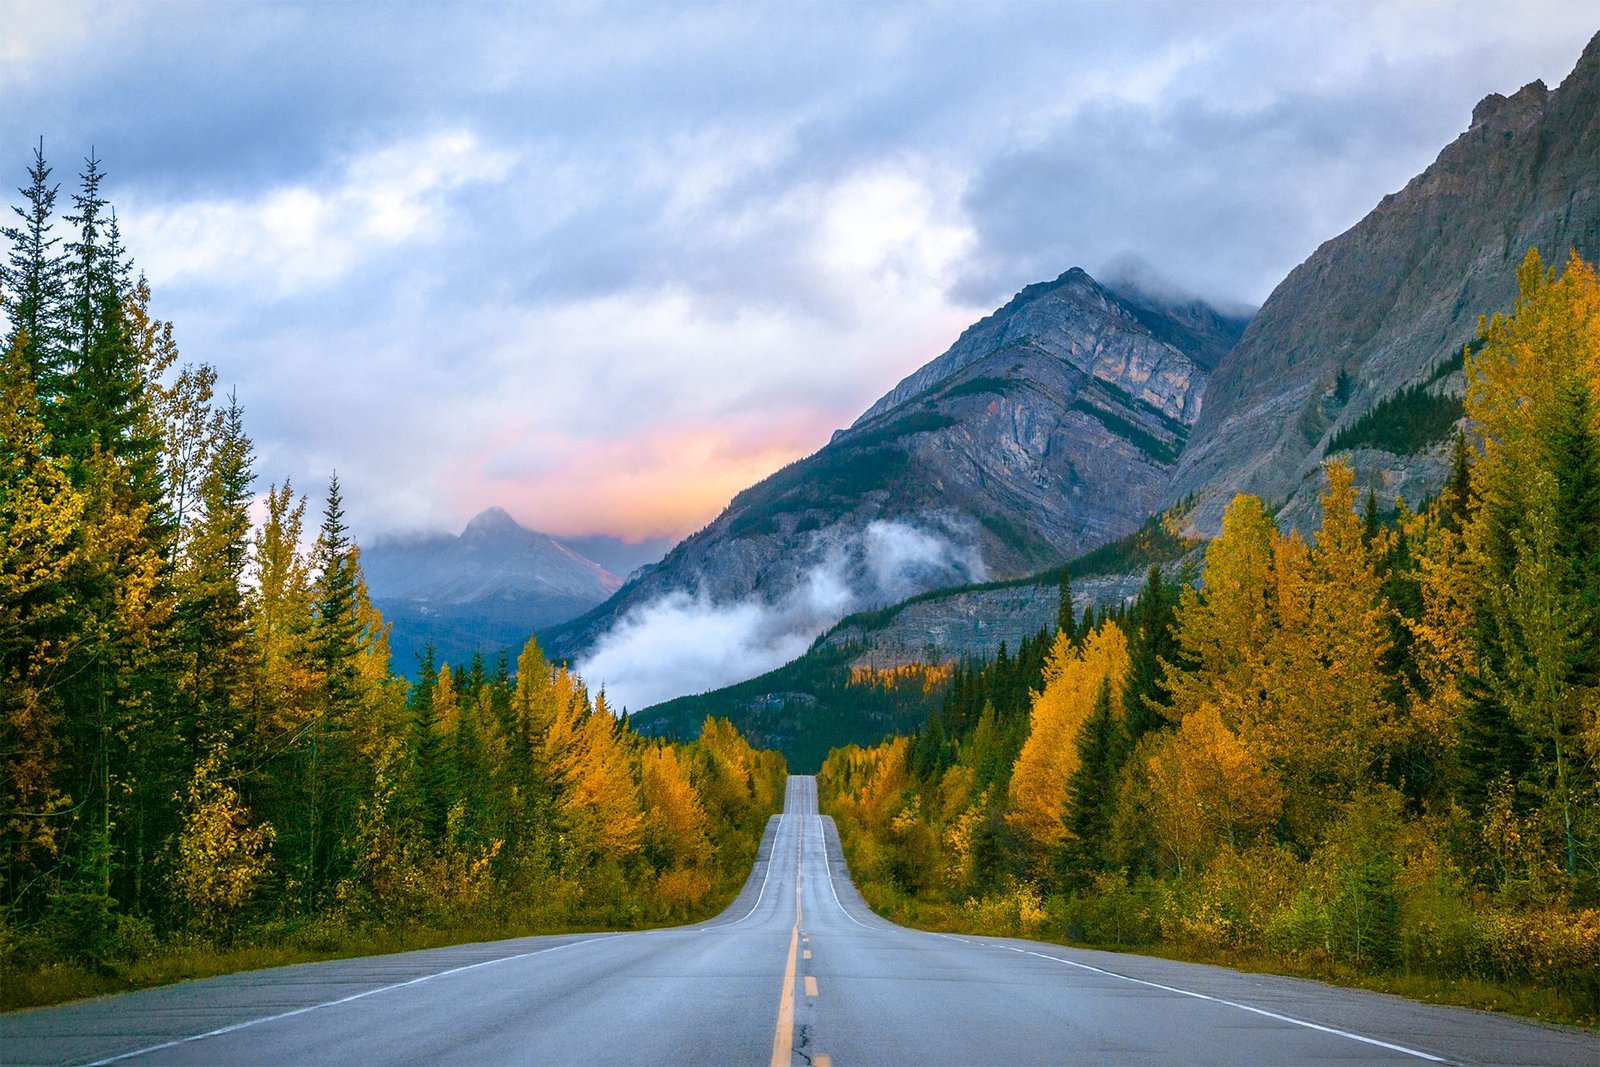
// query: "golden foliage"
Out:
[674,823]
[1209,788]
[221,855]
[1072,681]
[927,677]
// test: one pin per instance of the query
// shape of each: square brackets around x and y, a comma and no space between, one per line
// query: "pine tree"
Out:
[213,622]
[33,280]
[1455,501]
[335,635]
[1092,788]
[1575,463]
[1152,641]
[427,757]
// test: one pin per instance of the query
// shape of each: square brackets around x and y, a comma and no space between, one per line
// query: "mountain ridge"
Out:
[1048,427]
[1390,301]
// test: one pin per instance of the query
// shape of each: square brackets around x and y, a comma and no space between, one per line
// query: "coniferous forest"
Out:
[1371,753]
[203,747]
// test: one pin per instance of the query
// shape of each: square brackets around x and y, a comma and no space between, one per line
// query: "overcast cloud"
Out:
[607,264]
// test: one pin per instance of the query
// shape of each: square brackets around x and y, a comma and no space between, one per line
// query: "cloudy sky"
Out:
[606,264]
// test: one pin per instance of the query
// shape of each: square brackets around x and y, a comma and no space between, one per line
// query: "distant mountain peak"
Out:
[491,524]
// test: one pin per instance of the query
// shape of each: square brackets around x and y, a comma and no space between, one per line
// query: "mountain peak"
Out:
[490,524]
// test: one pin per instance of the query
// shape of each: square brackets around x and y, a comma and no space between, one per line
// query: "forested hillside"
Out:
[1374,752]
[202,745]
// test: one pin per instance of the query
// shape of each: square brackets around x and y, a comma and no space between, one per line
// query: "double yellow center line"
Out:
[783,1037]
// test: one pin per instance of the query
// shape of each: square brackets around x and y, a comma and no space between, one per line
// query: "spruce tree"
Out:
[1455,501]
[336,630]
[1575,462]
[34,284]
[1151,641]
[1092,786]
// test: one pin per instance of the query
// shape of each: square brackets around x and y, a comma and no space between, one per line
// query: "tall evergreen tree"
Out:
[1151,640]
[1092,787]
[1575,463]
[1066,619]
[1455,501]
[34,284]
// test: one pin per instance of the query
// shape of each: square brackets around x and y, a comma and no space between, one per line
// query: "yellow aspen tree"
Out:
[1533,546]
[1226,630]
[675,824]
[280,614]
[1442,643]
[1327,721]
[886,779]
[222,855]
[446,708]
[40,514]
[1206,788]
[597,802]
[1050,754]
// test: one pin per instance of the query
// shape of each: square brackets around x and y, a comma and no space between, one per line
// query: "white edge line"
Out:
[1235,1004]
[764,879]
[827,865]
[342,1000]
[760,895]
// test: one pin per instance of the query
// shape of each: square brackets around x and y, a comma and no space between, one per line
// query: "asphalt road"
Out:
[797,971]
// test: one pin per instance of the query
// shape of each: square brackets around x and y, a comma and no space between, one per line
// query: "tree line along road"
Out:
[798,971]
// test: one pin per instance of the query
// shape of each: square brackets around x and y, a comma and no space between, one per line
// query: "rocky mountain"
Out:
[487,589]
[1049,427]
[1356,353]
[1388,305]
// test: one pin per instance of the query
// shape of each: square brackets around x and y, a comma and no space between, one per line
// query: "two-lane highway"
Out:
[797,971]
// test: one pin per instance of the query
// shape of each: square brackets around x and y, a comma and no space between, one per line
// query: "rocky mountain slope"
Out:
[1049,427]
[488,588]
[1357,353]
[1389,304]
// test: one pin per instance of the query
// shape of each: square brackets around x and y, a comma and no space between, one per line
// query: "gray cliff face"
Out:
[1148,347]
[1050,427]
[1394,298]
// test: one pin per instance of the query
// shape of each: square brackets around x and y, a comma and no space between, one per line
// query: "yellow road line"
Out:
[821,1059]
[805,954]
[811,985]
[783,1036]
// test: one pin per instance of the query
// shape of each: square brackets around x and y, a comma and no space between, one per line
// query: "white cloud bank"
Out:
[685,643]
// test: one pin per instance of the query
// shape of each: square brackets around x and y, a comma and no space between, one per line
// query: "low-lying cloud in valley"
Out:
[685,642]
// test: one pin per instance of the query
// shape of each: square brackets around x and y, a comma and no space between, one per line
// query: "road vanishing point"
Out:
[797,971]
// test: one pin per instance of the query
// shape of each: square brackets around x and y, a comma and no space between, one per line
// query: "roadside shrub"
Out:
[1017,911]
[1113,911]
[1553,946]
